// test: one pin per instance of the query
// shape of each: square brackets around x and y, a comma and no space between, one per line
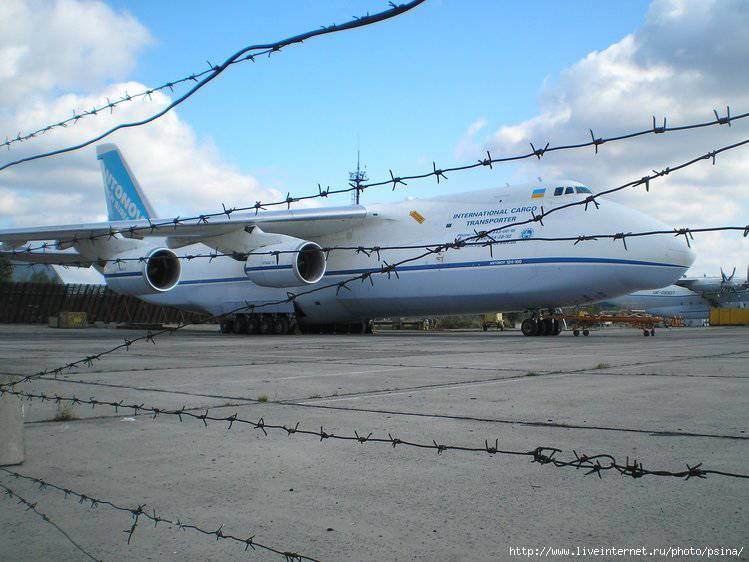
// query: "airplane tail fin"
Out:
[125,199]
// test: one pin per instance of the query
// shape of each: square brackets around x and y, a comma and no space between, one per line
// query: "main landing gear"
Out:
[541,327]
[251,324]
[279,324]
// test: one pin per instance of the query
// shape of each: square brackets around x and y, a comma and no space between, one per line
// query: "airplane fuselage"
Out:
[518,274]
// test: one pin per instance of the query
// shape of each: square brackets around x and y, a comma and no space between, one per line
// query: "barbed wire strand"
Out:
[140,512]
[263,48]
[391,269]
[593,464]
[11,494]
[376,250]
[394,181]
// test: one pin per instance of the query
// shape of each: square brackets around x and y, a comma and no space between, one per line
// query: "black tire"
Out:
[557,328]
[485,327]
[645,333]
[575,333]
[250,327]
[238,325]
[586,333]
[263,326]
[280,326]
[652,331]
[226,326]
[529,327]
[540,327]
[358,328]
[548,327]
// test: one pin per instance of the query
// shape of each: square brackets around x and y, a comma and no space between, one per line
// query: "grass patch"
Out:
[262,398]
[602,366]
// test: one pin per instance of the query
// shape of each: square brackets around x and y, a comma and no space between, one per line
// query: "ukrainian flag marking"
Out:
[538,193]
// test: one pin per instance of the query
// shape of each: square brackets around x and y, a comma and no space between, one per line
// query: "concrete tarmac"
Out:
[679,398]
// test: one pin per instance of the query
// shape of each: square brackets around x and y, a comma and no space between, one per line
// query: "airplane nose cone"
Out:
[662,258]
[678,252]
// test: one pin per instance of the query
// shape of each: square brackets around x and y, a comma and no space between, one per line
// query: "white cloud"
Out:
[688,58]
[56,57]
[179,172]
[468,144]
[68,44]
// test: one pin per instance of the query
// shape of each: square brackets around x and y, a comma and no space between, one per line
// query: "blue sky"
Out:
[407,88]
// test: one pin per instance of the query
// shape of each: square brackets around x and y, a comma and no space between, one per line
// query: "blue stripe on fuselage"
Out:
[267,268]
[426,267]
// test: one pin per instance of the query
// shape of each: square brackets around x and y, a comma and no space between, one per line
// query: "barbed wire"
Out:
[213,72]
[394,181]
[391,269]
[140,512]
[11,494]
[593,464]
[376,250]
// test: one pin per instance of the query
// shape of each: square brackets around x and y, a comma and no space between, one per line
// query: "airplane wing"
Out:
[71,259]
[687,283]
[305,223]
[708,289]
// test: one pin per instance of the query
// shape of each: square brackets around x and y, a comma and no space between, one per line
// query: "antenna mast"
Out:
[356,179]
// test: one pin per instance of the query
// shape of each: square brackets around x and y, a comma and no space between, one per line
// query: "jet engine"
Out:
[291,262]
[157,271]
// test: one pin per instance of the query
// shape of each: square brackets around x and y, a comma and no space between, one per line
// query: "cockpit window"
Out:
[558,191]
[569,190]
[583,189]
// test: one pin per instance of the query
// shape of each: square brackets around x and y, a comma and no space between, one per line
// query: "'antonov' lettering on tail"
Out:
[125,200]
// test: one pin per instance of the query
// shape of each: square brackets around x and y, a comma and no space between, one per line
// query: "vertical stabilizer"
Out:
[125,199]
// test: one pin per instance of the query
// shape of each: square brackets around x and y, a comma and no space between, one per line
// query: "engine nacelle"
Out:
[298,262]
[158,272]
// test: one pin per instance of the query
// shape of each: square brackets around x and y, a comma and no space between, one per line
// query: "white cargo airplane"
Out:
[690,298]
[535,276]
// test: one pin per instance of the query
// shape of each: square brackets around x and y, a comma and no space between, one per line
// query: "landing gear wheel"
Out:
[485,327]
[238,325]
[586,333]
[358,328]
[226,326]
[280,326]
[263,326]
[575,333]
[540,327]
[652,331]
[529,327]
[557,328]
[251,327]
[645,333]
[548,327]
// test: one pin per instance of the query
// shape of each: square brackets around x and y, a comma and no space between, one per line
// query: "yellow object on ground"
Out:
[72,320]
[729,316]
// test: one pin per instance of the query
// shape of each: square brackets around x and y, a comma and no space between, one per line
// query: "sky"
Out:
[442,83]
